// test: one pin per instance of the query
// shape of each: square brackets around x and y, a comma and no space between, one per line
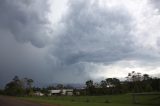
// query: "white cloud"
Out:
[121,69]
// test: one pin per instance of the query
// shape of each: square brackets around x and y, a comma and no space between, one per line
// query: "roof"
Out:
[55,91]
[61,91]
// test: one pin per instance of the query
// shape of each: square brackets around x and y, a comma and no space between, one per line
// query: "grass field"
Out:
[112,100]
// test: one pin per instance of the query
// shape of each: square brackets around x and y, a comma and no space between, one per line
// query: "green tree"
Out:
[15,87]
[60,86]
[90,88]
[29,83]
[103,84]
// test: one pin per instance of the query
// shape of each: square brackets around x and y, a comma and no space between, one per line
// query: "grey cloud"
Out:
[156,3]
[24,60]
[25,20]
[90,36]
[94,34]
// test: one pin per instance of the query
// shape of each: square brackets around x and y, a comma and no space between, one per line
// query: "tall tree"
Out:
[90,87]
[15,87]
[103,84]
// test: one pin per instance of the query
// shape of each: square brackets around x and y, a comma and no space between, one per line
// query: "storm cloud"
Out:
[25,20]
[92,39]
[94,34]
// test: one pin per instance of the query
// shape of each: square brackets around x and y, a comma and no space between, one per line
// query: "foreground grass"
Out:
[112,100]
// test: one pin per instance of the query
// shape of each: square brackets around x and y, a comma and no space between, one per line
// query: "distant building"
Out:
[68,92]
[55,92]
[37,93]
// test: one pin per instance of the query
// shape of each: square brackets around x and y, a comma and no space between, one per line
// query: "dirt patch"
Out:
[13,101]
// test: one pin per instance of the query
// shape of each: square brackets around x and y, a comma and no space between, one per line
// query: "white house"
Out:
[55,92]
[68,92]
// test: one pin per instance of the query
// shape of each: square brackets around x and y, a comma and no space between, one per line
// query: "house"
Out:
[37,93]
[55,92]
[68,92]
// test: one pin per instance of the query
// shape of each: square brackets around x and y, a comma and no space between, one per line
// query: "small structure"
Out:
[55,92]
[68,92]
[37,93]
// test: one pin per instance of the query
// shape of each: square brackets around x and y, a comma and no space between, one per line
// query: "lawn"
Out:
[111,100]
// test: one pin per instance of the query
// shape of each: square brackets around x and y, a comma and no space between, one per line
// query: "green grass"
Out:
[112,100]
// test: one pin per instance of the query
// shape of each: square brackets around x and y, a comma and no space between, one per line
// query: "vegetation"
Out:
[19,87]
[135,83]
[110,91]
[109,100]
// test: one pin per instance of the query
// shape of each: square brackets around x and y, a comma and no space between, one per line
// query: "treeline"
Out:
[134,83]
[18,87]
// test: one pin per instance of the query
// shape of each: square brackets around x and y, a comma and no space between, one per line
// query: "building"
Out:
[55,92]
[68,92]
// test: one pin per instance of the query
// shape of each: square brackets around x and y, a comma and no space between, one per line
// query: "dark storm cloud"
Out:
[94,34]
[90,36]
[25,20]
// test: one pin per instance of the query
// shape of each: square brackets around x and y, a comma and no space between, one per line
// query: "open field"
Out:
[112,100]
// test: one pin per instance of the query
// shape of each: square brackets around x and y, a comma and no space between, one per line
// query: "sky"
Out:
[71,41]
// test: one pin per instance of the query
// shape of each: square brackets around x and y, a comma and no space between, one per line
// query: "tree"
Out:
[90,87]
[146,77]
[15,87]
[19,87]
[29,84]
[139,83]
[103,84]
[113,85]
[112,82]
[59,86]
[155,83]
